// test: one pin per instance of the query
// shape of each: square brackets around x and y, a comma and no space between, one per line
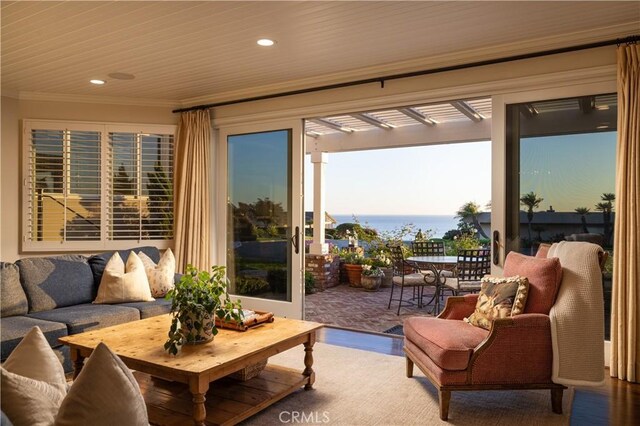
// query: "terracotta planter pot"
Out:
[354,274]
[370,283]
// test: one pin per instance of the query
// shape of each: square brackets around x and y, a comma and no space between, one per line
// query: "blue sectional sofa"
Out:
[55,294]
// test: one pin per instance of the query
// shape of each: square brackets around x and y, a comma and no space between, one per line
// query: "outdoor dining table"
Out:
[436,264]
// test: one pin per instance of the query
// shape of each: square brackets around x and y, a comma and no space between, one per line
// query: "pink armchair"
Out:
[516,353]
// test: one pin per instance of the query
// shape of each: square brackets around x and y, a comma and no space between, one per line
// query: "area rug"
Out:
[355,387]
[396,329]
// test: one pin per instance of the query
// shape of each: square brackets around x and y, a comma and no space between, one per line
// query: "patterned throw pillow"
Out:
[499,298]
[160,276]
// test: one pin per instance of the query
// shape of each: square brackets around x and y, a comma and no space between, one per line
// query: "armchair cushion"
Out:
[448,343]
[544,277]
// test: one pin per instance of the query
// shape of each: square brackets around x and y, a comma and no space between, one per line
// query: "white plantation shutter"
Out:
[141,186]
[63,185]
[92,186]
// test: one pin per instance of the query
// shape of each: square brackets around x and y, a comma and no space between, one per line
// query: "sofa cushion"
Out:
[544,277]
[15,328]
[14,301]
[87,317]
[56,282]
[99,261]
[150,309]
[448,343]
[499,298]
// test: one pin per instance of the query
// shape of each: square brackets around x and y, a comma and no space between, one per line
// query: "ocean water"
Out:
[387,223]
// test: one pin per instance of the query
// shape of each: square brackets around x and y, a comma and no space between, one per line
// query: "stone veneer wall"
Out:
[325,268]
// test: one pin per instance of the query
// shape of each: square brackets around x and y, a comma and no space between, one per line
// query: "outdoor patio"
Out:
[350,307]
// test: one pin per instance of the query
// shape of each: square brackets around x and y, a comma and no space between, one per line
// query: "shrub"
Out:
[309,283]
[249,286]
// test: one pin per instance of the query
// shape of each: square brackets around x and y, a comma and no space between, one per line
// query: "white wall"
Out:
[14,110]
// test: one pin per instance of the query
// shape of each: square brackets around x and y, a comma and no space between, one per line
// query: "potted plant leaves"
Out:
[371,277]
[197,299]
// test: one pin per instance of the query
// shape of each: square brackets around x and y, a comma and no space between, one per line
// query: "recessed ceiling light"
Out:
[98,82]
[266,42]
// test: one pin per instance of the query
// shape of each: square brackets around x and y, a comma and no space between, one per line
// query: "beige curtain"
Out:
[192,191]
[625,304]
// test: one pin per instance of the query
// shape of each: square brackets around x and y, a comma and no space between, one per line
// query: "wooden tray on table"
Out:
[260,317]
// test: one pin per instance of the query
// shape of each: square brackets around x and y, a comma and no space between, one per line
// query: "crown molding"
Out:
[91,99]
[449,59]
[600,74]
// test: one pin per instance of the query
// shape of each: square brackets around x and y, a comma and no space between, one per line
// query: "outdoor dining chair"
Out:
[428,248]
[407,274]
[472,265]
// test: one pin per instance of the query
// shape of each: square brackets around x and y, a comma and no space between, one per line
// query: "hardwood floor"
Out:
[616,403]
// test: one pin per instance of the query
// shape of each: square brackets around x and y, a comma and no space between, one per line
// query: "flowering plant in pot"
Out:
[382,260]
[353,265]
[196,300]
[371,277]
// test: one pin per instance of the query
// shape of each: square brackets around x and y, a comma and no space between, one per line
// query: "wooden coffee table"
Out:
[140,346]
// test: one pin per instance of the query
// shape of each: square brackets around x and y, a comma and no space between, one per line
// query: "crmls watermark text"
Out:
[302,417]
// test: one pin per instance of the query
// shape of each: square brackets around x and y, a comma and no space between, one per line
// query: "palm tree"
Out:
[471,211]
[582,211]
[531,201]
[606,207]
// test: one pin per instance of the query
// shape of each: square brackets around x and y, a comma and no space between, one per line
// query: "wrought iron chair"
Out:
[407,274]
[428,248]
[471,267]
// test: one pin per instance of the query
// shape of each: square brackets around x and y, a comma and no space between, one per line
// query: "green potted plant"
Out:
[196,300]
[371,277]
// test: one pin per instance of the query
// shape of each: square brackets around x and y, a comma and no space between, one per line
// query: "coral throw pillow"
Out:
[499,298]
[122,284]
[544,277]
[160,276]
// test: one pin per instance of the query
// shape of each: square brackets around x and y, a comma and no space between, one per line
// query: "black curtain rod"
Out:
[629,40]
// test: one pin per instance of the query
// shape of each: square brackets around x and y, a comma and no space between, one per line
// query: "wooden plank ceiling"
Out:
[187,51]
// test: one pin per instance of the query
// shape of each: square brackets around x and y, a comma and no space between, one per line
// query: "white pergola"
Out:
[456,121]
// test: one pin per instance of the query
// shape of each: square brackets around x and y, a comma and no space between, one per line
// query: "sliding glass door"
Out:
[263,244]
[560,184]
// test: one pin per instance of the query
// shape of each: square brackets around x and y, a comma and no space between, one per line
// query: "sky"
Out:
[568,171]
[427,180]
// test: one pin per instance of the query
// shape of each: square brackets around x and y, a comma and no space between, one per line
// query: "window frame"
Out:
[104,128]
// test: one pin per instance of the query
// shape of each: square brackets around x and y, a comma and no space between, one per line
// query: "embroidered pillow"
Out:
[33,382]
[160,276]
[120,284]
[499,298]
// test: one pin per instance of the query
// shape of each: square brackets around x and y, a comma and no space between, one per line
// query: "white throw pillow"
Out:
[33,382]
[160,276]
[105,393]
[120,284]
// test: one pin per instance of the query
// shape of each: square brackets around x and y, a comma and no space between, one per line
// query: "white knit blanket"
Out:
[577,317]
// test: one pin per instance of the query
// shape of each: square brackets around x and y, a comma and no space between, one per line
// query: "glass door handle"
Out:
[295,240]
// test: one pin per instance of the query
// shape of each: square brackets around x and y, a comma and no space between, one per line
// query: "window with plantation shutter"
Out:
[141,186]
[93,186]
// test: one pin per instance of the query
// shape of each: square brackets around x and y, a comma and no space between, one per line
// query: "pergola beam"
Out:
[330,124]
[367,118]
[467,110]
[405,136]
[418,116]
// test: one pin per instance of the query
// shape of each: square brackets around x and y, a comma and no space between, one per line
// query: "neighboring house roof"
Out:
[553,218]
[308,218]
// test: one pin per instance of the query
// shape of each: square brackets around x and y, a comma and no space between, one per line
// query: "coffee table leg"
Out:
[308,361]
[198,388]
[78,362]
